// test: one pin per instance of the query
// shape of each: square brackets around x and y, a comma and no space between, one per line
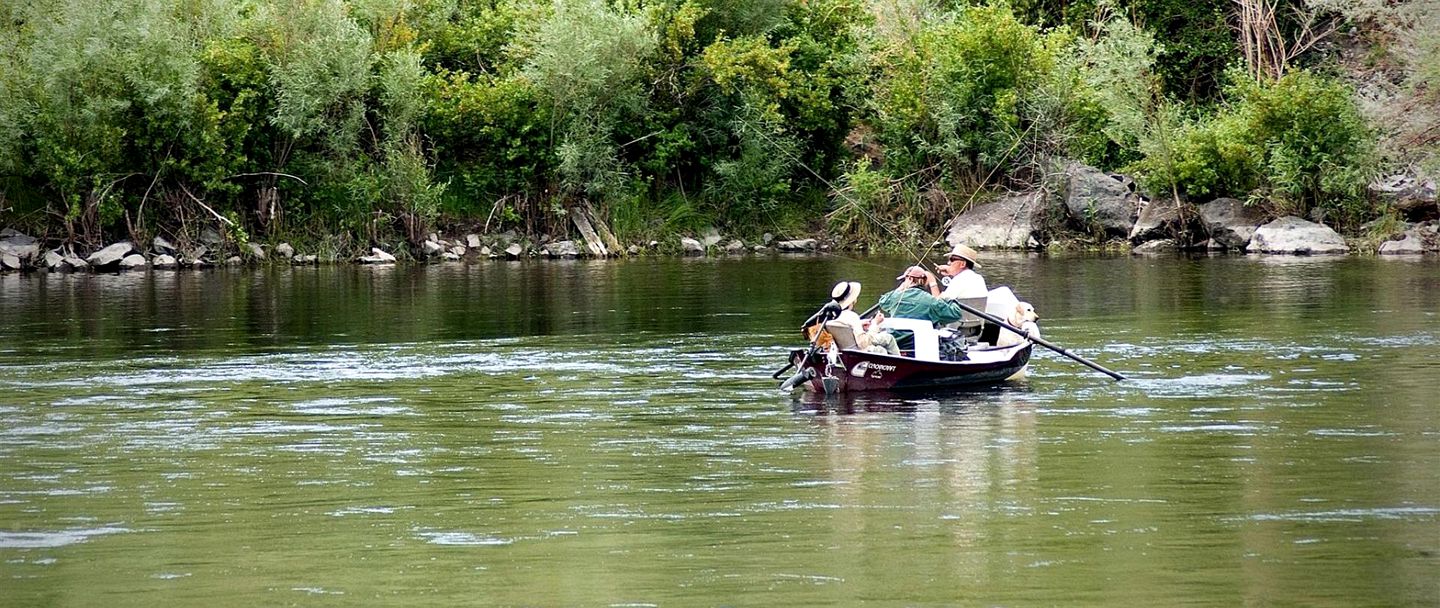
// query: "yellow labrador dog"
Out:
[1023,317]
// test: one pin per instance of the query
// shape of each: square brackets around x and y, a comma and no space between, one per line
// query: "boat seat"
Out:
[843,334]
[927,339]
[970,323]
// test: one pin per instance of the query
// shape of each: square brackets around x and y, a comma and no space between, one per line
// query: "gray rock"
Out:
[234,260]
[1417,240]
[1413,197]
[798,245]
[710,238]
[689,246]
[514,251]
[110,255]
[1293,235]
[459,250]
[485,250]
[506,237]
[432,248]
[377,256]
[132,261]
[210,237]
[766,238]
[1007,223]
[73,262]
[633,250]
[165,261]
[255,250]
[561,249]
[22,246]
[760,249]
[1159,219]
[1154,247]
[1229,222]
[735,246]
[53,259]
[472,241]
[9,262]
[305,260]
[1096,200]
[449,256]
[160,245]
[284,250]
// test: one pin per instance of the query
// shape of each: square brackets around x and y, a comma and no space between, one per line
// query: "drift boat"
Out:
[843,367]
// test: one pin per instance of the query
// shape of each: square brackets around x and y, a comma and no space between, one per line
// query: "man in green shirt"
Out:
[913,299]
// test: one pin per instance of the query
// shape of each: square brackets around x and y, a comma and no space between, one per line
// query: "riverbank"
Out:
[1081,208]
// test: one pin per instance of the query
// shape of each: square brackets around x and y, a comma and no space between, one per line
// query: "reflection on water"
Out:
[606,433]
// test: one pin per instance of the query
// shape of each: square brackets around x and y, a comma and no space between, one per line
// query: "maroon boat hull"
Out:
[854,370]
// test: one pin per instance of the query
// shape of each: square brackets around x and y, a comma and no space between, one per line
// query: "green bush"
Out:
[950,97]
[1299,142]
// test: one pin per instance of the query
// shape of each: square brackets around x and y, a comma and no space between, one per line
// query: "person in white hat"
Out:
[960,277]
[868,335]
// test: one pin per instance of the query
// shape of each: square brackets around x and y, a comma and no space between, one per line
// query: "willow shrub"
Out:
[949,98]
[1299,143]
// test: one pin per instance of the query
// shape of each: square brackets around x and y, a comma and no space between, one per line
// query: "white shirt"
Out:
[967,284]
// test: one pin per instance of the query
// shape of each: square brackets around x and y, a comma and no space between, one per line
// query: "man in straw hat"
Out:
[868,335]
[960,277]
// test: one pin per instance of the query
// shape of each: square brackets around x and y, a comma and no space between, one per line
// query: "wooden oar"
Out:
[1038,340]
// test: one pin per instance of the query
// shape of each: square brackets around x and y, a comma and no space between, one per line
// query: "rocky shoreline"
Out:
[1087,206]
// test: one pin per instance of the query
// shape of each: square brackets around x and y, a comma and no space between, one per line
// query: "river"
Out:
[605,433]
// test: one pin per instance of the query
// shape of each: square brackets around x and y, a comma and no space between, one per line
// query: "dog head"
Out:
[1023,312]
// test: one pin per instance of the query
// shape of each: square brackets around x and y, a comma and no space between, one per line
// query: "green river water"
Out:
[607,434]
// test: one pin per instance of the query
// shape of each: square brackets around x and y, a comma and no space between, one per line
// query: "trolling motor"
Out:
[803,375]
[829,312]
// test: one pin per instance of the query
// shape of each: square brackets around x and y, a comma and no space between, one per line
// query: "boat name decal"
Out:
[860,368]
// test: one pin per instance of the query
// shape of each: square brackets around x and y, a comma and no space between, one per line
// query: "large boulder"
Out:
[284,250]
[110,255]
[23,247]
[1291,234]
[689,246]
[514,250]
[1159,219]
[1229,222]
[432,248]
[1417,240]
[133,261]
[735,247]
[9,262]
[1095,200]
[53,260]
[1157,247]
[798,245]
[165,261]
[1413,197]
[1007,223]
[560,249]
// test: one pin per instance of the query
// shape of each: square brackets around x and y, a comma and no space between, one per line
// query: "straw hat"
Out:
[845,293]
[964,252]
